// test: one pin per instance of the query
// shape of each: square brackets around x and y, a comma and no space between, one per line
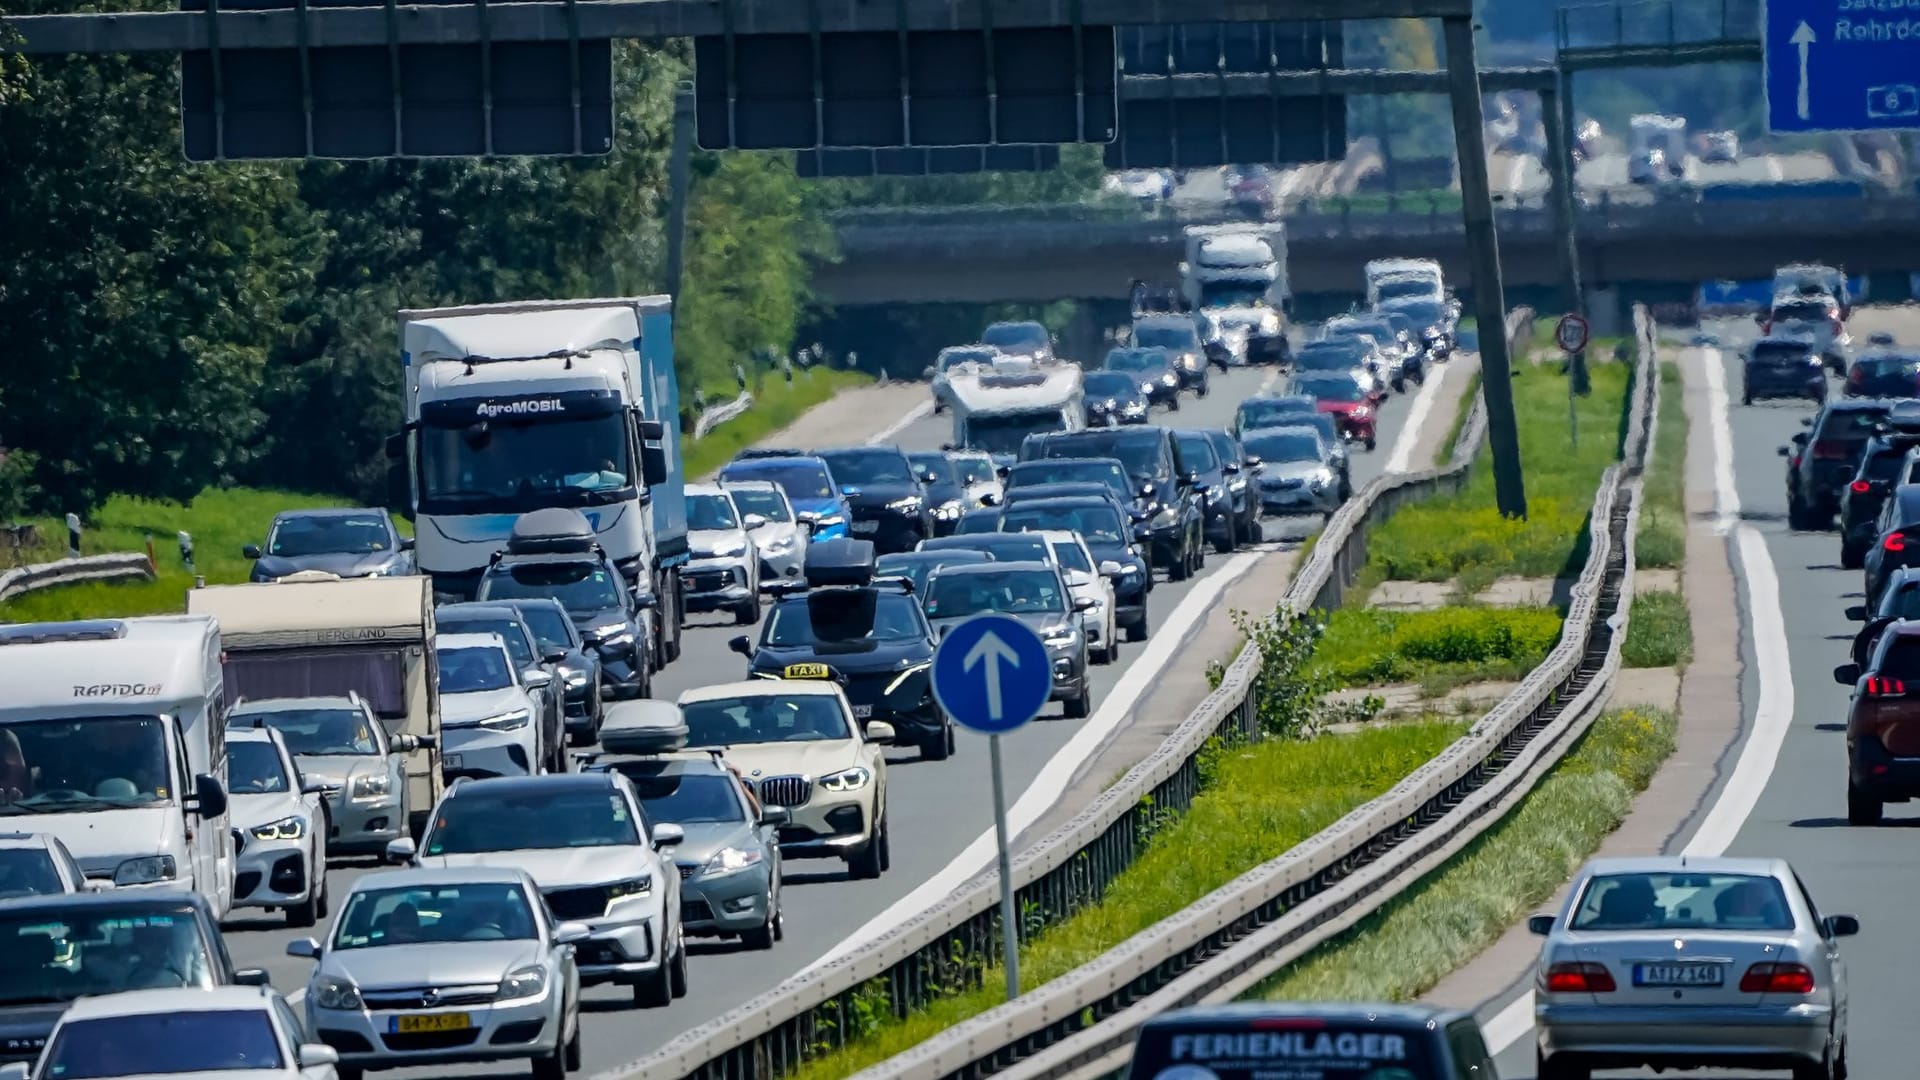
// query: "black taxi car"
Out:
[867,633]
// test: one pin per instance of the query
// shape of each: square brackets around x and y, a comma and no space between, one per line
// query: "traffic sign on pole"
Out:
[1842,65]
[1570,333]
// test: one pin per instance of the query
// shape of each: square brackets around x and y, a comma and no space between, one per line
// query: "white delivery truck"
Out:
[1404,279]
[1236,265]
[316,635]
[522,406]
[113,738]
[994,411]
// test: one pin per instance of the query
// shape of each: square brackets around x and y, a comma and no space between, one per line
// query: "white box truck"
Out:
[994,411]
[1236,265]
[522,406]
[113,738]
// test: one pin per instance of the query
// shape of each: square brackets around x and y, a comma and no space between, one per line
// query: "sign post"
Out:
[991,674]
[1571,335]
[1838,65]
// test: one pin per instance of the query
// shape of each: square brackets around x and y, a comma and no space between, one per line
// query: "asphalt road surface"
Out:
[937,809]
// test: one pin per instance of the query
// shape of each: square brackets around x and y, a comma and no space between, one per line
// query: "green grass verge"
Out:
[1448,917]
[1258,802]
[1659,631]
[1460,414]
[1464,537]
[1444,647]
[776,403]
[1662,539]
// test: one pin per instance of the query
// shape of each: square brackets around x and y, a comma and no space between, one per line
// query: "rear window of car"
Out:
[1775,351]
[1306,1048]
[1854,424]
[1884,465]
[1683,900]
[1902,658]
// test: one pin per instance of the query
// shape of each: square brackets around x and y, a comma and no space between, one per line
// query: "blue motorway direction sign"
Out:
[1842,65]
[992,674]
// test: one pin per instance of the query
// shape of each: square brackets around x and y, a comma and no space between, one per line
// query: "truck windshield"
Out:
[1002,433]
[61,955]
[495,466]
[1233,293]
[86,764]
[1397,288]
[378,674]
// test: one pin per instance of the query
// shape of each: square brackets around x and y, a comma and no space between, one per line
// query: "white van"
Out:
[113,738]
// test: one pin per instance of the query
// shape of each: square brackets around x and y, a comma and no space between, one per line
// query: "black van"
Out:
[1169,497]
[1303,1041]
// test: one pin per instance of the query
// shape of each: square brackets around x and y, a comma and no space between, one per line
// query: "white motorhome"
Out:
[1404,279]
[995,411]
[316,635]
[113,738]
[517,407]
[1235,266]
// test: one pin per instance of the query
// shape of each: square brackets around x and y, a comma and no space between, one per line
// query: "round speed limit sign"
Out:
[1571,333]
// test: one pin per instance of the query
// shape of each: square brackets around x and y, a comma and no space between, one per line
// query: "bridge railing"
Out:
[1655,24]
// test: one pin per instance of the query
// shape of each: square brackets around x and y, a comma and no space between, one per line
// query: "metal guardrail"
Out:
[116,567]
[1271,915]
[722,413]
[818,1010]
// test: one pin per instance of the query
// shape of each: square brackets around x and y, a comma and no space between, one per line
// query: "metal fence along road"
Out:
[116,567]
[950,942]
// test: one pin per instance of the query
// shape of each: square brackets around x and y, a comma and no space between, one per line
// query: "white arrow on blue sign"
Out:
[992,674]
[1842,65]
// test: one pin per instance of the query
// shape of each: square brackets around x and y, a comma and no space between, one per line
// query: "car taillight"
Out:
[1862,487]
[1885,686]
[1828,450]
[1895,542]
[1579,978]
[1777,979]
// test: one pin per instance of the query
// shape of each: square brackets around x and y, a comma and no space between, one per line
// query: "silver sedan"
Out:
[1678,962]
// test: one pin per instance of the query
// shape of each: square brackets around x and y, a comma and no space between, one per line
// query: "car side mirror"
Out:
[314,1055]
[1857,613]
[1254,461]
[1847,674]
[1799,438]
[666,835]
[1112,569]
[571,933]
[1841,925]
[407,543]
[1786,451]
[1540,925]
[879,731]
[258,976]
[537,678]
[1084,603]
[315,787]
[1229,469]
[741,645]
[553,656]
[645,601]
[753,521]
[251,551]
[776,816]
[401,850]
[209,797]
[1202,489]
[1001,471]
[305,948]
[406,743]
[16,1070]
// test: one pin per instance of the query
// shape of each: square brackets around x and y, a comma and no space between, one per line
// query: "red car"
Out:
[1351,404]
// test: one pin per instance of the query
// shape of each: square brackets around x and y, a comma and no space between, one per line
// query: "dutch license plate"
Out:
[861,712]
[866,526]
[431,1022]
[1677,975]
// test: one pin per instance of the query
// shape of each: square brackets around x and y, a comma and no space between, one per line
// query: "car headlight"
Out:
[780,546]
[1362,413]
[1170,378]
[1060,637]
[948,511]
[512,721]
[145,870]
[287,828]
[907,505]
[576,680]
[639,886]
[372,786]
[732,860]
[727,549]
[847,780]
[907,673]
[1270,323]
[1146,388]
[621,638]
[328,992]
[1129,571]
[526,982]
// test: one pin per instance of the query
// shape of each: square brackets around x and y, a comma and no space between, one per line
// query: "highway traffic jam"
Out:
[478,768]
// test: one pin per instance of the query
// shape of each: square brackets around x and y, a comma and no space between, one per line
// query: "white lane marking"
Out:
[1774,172]
[297,996]
[1054,777]
[1404,447]
[913,416]
[1773,713]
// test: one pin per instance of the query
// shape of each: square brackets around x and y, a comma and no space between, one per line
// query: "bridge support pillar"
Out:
[1556,116]
[1483,251]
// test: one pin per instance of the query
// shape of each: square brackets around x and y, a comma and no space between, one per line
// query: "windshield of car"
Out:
[791,622]
[763,501]
[685,798]
[1141,453]
[1010,592]
[1801,311]
[1281,1046]
[1889,364]
[937,464]
[523,818]
[1196,451]
[1375,328]
[1070,471]
[1136,360]
[550,626]
[917,566]
[1398,287]
[1341,388]
[1096,524]
[1280,446]
[318,731]
[953,358]
[57,955]
[159,1043]
[28,871]
[1112,384]
[1004,432]
[858,468]
[579,586]
[1259,412]
[497,463]
[473,669]
[765,719]
[82,764]
[1071,556]
[435,915]
[975,469]
[1016,337]
[710,512]
[802,481]
[1422,312]
[509,630]
[253,768]
[1338,354]
[1682,900]
[1174,336]
[1852,425]
[327,534]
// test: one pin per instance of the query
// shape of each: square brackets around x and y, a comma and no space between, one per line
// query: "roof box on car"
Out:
[643,726]
[557,529]
[840,562]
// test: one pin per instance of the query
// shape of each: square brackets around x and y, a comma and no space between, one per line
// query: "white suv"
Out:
[486,714]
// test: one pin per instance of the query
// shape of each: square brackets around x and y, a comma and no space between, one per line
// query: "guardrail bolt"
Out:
[73,536]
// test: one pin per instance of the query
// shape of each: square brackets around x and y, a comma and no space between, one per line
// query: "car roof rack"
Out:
[553,530]
[643,727]
[840,562]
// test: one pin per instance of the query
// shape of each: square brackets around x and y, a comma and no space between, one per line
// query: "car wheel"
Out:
[1746,397]
[865,866]
[1852,557]
[349,1072]
[1797,518]
[573,1048]
[1173,403]
[308,912]
[1816,1070]
[1182,567]
[321,908]
[939,746]
[655,991]
[1138,631]
[677,969]
[748,612]
[761,937]
[1862,808]
[1078,708]
[551,1066]
[1546,1068]
[1370,442]
[886,850]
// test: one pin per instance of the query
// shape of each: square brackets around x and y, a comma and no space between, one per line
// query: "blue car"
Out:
[817,501]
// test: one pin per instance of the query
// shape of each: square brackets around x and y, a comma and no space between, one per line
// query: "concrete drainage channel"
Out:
[1327,881]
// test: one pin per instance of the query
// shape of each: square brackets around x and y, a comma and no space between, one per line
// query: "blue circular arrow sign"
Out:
[991,674]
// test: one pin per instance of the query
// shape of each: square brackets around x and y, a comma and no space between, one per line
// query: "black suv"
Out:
[1822,460]
[1887,464]
[887,494]
[1104,527]
[870,634]
[1180,337]
[1228,521]
[1169,497]
[1782,368]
